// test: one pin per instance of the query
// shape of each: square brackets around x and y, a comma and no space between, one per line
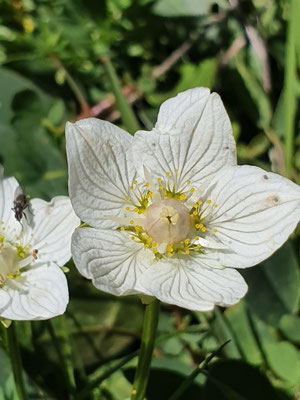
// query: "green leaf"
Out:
[290,327]
[251,80]
[191,76]
[283,358]
[274,286]
[175,8]
[241,326]
[222,330]
[27,150]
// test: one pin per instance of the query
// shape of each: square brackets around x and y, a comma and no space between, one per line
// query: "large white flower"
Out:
[32,284]
[171,214]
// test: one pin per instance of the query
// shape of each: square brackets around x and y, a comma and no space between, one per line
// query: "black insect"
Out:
[21,202]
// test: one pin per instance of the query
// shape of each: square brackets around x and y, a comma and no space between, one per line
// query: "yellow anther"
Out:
[155,251]
[149,194]
[169,254]
[136,210]
[122,228]
[128,208]
[149,239]
[209,201]
[192,190]
[200,225]
[1,238]
[197,226]
[132,238]
[187,252]
[161,187]
[131,222]
[188,182]
[195,205]
[127,198]
[216,205]
[154,244]
[197,238]
[135,182]
[215,230]
[165,194]
[198,245]
[182,196]
[131,187]
[147,184]
[158,179]
[147,245]
[170,248]
[187,241]
[195,213]
[203,229]
[168,173]
[176,170]
[199,202]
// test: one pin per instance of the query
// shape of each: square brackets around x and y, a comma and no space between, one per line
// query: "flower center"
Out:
[13,258]
[167,221]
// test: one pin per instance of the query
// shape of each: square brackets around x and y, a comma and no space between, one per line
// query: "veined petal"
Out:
[40,293]
[181,114]
[8,187]
[4,300]
[195,139]
[193,284]
[101,169]
[257,211]
[113,261]
[50,228]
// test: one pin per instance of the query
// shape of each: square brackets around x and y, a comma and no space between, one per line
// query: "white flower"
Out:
[171,214]
[32,285]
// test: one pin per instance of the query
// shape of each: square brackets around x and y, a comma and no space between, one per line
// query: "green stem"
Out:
[146,350]
[127,114]
[290,77]
[16,362]
[63,350]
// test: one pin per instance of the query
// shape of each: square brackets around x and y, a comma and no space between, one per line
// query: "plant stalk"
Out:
[16,362]
[145,354]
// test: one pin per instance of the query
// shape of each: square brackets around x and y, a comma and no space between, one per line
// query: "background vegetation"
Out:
[54,67]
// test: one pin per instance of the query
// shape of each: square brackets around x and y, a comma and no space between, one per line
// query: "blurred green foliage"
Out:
[51,71]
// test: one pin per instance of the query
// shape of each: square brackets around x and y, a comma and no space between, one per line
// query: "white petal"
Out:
[41,293]
[181,113]
[257,211]
[192,284]
[196,139]
[50,228]
[4,300]
[113,261]
[100,169]
[8,187]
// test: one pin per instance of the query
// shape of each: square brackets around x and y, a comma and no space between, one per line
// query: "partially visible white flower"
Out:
[32,284]
[171,214]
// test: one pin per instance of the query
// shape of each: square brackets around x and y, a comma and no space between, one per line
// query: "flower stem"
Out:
[16,363]
[146,350]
